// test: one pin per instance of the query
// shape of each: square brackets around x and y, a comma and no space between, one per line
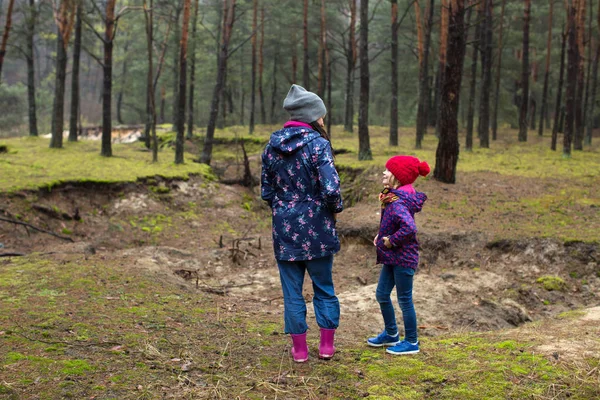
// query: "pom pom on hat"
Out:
[406,169]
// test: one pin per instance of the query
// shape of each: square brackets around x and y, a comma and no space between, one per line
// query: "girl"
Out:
[398,251]
[302,186]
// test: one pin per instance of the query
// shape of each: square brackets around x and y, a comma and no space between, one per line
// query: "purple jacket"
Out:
[398,223]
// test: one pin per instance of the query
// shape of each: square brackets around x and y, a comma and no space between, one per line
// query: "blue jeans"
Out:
[402,278]
[325,302]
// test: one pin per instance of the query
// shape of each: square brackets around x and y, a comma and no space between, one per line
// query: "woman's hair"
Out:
[324,134]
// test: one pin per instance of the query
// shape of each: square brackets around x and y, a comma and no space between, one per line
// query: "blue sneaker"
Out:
[403,347]
[383,339]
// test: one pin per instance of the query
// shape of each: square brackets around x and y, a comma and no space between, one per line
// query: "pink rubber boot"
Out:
[326,348]
[300,348]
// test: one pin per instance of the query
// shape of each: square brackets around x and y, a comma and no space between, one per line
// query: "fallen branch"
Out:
[12,254]
[26,225]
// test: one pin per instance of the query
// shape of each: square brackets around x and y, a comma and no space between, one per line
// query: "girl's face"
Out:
[387,178]
[320,122]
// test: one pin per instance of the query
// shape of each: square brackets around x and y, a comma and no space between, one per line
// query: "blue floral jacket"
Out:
[302,186]
[398,223]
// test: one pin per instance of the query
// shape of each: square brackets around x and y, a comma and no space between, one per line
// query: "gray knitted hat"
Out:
[304,106]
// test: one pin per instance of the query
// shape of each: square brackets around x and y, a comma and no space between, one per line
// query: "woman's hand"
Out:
[375,240]
[386,242]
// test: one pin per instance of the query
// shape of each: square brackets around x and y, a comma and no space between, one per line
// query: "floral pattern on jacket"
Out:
[302,186]
[398,223]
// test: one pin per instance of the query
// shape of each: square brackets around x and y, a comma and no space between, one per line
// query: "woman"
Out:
[302,186]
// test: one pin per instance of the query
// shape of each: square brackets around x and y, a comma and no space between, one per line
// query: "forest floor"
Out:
[169,288]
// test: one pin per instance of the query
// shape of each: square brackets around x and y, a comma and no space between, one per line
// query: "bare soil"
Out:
[215,238]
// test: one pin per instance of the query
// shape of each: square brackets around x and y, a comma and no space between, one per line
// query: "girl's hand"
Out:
[375,240]
[386,242]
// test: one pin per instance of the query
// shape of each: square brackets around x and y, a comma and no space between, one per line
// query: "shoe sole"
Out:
[383,344]
[301,361]
[399,353]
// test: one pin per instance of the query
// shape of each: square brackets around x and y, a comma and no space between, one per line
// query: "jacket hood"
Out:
[290,140]
[414,202]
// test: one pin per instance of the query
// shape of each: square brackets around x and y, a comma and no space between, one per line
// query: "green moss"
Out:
[76,367]
[573,314]
[552,282]
[33,165]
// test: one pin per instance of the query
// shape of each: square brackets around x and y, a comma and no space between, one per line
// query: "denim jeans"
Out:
[325,302]
[402,278]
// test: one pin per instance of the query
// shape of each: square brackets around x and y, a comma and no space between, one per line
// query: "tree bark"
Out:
[176,69]
[32,17]
[393,140]
[107,69]
[473,84]
[121,89]
[351,56]
[321,55]
[263,112]
[58,107]
[594,85]
[579,123]
[74,117]
[150,86]
[561,79]
[486,84]
[424,90]
[274,87]
[253,79]
[228,20]
[523,121]
[305,71]
[364,147]
[498,75]
[180,139]
[572,69]
[7,27]
[544,105]
[442,62]
[190,124]
[448,147]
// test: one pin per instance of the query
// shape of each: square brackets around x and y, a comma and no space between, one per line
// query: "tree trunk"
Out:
[180,140]
[253,80]
[561,79]
[274,87]
[523,121]
[107,68]
[442,62]
[393,141]
[486,85]
[579,124]
[151,103]
[58,107]
[572,69]
[329,88]
[351,56]
[74,117]
[228,20]
[544,105]
[7,27]
[532,112]
[589,68]
[594,85]
[498,75]
[176,69]
[448,148]
[32,17]
[322,69]
[424,90]
[190,126]
[294,58]
[364,148]
[121,89]
[305,71]
[263,112]
[473,84]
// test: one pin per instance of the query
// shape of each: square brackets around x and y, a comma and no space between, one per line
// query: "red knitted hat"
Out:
[407,168]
